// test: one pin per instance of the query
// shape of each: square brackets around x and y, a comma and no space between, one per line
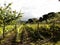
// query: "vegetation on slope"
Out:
[44,30]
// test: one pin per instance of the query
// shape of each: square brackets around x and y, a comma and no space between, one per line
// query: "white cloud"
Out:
[34,8]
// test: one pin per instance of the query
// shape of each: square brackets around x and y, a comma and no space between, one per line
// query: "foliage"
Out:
[50,17]
[35,31]
[7,16]
[29,21]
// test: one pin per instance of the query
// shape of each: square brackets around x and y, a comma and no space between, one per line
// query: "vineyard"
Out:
[31,34]
[42,31]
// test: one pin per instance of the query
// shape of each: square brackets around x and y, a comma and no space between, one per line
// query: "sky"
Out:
[33,8]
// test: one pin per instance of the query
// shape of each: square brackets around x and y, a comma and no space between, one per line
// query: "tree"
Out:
[45,17]
[35,20]
[51,15]
[30,20]
[7,16]
[40,19]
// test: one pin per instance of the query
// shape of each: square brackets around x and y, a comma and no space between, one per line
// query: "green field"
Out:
[33,26]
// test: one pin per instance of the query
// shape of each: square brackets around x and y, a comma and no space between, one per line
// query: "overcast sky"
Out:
[33,8]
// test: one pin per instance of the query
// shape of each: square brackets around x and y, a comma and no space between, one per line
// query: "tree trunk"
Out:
[38,26]
[3,28]
[46,21]
[16,32]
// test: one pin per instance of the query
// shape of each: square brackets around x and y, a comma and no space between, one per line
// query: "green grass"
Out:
[7,28]
[20,27]
[1,31]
